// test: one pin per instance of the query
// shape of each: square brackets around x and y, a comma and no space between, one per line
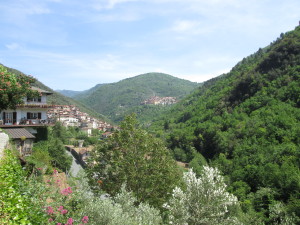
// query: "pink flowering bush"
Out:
[62,206]
[66,191]
[13,88]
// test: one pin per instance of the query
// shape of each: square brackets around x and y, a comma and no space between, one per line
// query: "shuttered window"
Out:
[34,115]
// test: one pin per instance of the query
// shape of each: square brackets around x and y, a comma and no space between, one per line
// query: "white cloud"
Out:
[12,46]
[184,26]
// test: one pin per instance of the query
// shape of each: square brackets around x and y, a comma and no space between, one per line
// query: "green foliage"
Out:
[52,149]
[39,158]
[13,88]
[197,163]
[120,210]
[247,124]
[58,153]
[204,200]
[134,157]
[16,208]
[58,131]
[119,99]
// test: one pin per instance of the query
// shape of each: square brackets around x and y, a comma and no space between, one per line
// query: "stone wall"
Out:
[4,140]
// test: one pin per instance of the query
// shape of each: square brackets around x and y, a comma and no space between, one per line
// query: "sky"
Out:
[76,44]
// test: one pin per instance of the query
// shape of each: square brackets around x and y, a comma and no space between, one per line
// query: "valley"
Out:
[238,136]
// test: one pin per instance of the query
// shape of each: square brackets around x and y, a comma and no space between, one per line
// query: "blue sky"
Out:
[76,44]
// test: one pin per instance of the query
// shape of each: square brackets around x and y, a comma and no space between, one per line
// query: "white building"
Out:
[32,112]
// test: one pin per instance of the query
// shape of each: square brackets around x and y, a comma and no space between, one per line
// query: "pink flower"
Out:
[50,220]
[66,191]
[50,210]
[64,211]
[60,208]
[70,221]
[85,219]
[58,224]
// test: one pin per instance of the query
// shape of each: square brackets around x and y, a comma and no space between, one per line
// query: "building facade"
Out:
[32,112]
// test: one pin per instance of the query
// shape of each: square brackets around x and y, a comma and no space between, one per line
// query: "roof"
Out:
[17,133]
[41,90]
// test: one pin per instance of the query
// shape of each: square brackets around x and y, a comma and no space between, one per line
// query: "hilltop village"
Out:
[70,115]
[155,100]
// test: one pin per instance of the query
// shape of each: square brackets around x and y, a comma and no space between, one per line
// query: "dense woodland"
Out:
[246,123]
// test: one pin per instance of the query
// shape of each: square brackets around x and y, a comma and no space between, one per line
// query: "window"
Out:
[9,117]
[34,115]
[37,99]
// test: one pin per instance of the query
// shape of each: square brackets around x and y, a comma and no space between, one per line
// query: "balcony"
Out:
[27,123]
[35,105]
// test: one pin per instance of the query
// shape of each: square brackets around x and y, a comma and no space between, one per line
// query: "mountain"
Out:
[68,93]
[59,99]
[72,94]
[115,100]
[247,123]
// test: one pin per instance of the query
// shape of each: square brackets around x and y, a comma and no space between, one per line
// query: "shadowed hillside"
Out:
[247,123]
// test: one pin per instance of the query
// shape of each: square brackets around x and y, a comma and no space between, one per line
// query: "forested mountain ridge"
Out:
[116,100]
[68,93]
[59,99]
[247,123]
[72,94]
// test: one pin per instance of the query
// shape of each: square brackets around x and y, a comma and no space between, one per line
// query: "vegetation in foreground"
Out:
[247,124]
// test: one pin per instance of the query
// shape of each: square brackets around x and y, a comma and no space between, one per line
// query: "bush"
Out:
[16,208]
[205,200]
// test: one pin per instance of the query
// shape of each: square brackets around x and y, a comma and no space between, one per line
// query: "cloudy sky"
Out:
[76,44]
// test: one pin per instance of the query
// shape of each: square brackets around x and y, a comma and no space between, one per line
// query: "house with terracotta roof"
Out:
[22,138]
[33,112]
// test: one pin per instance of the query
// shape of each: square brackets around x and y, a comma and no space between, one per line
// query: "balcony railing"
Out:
[35,105]
[29,122]
[35,121]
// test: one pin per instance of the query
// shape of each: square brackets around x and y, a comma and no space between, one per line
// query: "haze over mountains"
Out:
[71,93]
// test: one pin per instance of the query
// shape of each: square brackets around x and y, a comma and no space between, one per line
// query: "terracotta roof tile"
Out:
[17,133]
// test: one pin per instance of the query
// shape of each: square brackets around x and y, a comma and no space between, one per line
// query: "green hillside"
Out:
[72,94]
[68,93]
[247,123]
[118,99]
[59,99]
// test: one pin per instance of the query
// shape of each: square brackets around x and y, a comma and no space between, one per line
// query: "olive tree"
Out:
[204,200]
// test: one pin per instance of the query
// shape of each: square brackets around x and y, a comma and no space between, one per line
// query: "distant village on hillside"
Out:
[71,116]
[155,100]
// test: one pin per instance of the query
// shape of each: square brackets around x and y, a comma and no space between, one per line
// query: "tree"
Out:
[13,88]
[59,131]
[134,157]
[204,201]
[58,153]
